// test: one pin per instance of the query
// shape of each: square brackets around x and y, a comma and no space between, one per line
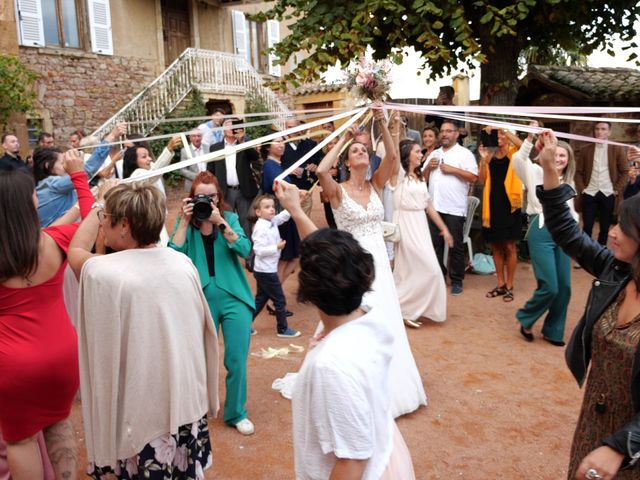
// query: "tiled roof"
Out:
[319,88]
[620,85]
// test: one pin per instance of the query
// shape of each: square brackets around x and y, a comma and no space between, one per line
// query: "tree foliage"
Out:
[449,34]
[254,103]
[192,106]
[16,88]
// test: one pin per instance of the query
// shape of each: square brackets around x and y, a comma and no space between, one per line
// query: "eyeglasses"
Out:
[102,214]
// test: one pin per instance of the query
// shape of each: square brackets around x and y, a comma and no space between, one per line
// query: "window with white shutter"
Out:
[30,28]
[240,35]
[100,26]
[273,37]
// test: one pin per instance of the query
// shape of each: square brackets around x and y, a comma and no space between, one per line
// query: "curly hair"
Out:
[335,271]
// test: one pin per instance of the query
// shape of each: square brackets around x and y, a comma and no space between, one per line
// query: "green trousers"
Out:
[552,269]
[235,317]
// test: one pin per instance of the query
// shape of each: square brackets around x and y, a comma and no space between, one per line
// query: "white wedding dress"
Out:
[364,224]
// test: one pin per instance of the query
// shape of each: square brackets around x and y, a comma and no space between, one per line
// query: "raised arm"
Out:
[289,197]
[394,129]
[390,160]
[330,187]
[85,237]
[483,164]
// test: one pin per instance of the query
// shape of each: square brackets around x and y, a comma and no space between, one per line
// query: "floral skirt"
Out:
[185,455]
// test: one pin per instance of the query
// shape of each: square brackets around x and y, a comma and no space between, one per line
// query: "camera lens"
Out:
[201,207]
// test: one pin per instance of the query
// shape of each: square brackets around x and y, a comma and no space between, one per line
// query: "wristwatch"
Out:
[97,205]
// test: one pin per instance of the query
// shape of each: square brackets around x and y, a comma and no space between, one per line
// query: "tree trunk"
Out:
[499,76]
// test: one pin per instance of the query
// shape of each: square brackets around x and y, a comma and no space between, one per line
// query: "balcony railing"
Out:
[209,71]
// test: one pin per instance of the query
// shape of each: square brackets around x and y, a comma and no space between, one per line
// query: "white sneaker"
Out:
[245,427]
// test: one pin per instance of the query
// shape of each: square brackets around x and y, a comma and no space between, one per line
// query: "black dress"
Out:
[505,225]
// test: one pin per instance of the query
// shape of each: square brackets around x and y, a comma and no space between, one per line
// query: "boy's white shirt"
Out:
[265,238]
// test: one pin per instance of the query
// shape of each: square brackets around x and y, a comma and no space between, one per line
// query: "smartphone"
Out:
[489,139]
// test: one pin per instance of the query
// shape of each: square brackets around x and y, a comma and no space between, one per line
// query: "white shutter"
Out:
[30,26]
[240,35]
[273,37]
[100,26]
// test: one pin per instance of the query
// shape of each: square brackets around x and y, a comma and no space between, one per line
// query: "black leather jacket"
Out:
[611,277]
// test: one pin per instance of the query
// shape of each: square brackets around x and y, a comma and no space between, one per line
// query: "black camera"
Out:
[201,207]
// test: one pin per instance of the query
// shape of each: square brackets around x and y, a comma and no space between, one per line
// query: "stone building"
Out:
[94,57]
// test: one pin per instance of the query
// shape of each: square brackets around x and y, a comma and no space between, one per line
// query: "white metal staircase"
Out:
[209,71]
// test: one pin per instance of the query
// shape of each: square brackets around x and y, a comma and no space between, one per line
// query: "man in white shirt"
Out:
[449,172]
[197,148]
[236,172]
[601,175]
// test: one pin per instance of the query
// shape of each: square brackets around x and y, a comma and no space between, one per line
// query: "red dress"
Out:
[38,345]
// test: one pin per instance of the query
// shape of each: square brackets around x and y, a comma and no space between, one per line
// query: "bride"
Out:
[357,208]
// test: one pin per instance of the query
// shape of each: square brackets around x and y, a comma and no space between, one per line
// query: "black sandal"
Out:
[508,295]
[497,292]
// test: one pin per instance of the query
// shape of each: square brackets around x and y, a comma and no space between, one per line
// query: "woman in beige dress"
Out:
[418,278]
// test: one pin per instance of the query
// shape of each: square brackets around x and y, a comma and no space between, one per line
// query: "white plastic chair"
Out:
[472,204]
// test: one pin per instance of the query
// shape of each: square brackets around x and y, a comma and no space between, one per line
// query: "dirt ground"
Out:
[499,407]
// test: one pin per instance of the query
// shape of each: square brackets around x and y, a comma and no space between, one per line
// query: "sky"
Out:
[405,80]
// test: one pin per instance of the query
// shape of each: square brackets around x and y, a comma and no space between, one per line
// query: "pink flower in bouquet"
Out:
[361,79]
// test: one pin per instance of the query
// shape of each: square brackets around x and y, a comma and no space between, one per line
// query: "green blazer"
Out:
[230,276]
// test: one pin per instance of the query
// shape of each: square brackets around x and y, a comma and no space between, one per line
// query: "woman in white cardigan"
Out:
[551,266]
[146,345]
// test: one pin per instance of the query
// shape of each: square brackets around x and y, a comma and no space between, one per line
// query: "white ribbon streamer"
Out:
[212,156]
[321,145]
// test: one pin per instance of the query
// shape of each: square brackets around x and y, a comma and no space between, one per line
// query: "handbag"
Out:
[390,231]
[483,264]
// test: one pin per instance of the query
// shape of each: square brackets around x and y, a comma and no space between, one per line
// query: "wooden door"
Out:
[175,29]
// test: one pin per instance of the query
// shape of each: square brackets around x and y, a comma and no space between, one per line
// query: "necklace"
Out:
[357,187]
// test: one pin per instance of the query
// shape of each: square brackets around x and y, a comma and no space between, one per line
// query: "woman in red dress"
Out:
[38,344]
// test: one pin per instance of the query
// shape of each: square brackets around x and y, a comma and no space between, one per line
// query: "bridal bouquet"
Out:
[370,79]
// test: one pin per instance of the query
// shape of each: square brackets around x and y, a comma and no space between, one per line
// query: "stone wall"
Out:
[83,90]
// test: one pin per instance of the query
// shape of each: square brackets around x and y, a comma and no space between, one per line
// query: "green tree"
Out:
[192,106]
[16,88]
[449,34]
[254,103]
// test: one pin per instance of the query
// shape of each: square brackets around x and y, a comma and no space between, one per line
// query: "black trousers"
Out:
[456,265]
[240,205]
[601,205]
[269,287]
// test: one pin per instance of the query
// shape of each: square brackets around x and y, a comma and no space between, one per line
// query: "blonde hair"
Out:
[142,205]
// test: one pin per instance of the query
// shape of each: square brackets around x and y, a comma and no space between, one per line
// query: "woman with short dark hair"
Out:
[38,344]
[342,399]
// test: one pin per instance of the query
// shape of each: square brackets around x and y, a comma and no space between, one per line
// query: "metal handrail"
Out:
[207,70]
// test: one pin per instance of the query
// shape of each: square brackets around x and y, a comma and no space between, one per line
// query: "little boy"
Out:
[267,246]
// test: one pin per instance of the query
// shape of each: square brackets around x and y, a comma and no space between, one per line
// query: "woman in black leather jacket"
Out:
[607,436]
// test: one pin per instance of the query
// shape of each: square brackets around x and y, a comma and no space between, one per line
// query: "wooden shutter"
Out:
[273,37]
[100,26]
[30,28]
[241,35]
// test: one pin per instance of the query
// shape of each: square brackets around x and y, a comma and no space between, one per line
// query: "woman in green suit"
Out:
[211,236]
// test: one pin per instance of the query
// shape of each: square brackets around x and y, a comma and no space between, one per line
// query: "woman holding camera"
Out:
[209,233]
